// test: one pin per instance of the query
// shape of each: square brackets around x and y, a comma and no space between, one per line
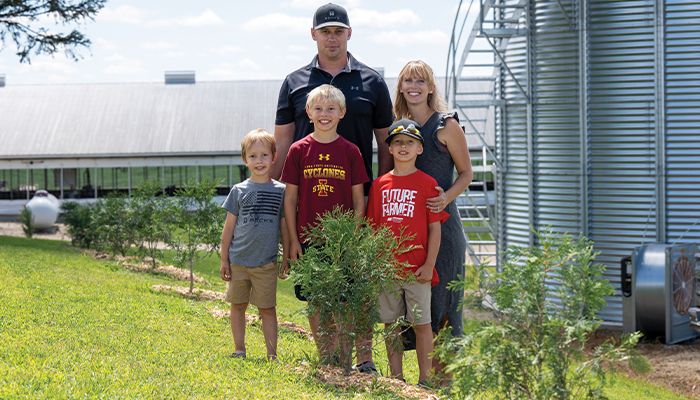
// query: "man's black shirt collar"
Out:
[349,67]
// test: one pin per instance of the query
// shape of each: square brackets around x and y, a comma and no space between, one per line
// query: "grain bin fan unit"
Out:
[659,292]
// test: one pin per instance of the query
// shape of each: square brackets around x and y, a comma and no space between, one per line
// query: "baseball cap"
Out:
[406,127]
[331,15]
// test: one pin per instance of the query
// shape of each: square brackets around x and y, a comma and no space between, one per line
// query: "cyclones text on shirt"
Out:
[324,172]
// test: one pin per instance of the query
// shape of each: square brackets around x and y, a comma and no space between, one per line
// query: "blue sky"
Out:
[136,41]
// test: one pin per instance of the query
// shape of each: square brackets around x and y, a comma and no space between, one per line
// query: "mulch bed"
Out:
[336,377]
[675,367]
[136,264]
[197,294]
[169,270]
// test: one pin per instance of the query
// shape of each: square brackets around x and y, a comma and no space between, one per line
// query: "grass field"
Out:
[75,327]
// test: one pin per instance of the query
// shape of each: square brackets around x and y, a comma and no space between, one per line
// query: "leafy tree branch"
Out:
[35,26]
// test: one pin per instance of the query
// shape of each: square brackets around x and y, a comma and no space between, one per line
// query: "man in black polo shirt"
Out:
[369,110]
[368,114]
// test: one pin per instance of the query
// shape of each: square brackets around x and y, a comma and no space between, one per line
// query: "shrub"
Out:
[25,218]
[547,300]
[342,274]
[149,220]
[196,224]
[113,222]
[78,219]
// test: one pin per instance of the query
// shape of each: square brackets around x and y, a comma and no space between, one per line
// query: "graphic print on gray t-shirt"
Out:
[258,208]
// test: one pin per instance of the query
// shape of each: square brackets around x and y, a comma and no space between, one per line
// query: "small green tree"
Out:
[112,220]
[342,274]
[25,218]
[149,220]
[79,220]
[547,300]
[196,223]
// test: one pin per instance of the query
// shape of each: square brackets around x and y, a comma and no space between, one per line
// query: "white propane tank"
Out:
[44,208]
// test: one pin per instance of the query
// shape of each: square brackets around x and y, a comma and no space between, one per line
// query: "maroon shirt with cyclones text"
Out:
[325,174]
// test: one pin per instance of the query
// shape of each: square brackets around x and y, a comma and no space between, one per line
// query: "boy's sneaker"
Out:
[237,355]
[366,367]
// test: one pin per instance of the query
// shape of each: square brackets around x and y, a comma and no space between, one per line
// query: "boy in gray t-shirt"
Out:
[249,242]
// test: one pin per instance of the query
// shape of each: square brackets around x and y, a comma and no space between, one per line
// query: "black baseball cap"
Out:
[406,127]
[331,15]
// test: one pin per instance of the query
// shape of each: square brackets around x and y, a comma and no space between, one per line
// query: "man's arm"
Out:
[386,162]
[284,136]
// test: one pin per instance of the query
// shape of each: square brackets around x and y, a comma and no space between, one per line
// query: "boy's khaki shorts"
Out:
[256,285]
[411,300]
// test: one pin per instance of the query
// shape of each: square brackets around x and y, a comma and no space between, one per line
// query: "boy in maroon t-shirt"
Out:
[321,171]
[398,200]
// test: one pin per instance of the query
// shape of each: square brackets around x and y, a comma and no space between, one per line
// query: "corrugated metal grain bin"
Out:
[607,140]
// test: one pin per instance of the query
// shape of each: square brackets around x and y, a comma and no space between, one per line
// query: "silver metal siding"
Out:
[557,153]
[612,148]
[682,99]
[514,196]
[622,111]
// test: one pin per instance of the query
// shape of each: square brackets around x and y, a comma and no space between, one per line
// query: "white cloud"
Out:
[314,4]
[50,65]
[222,72]
[225,50]
[123,14]
[102,44]
[297,48]
[396,38]
[249,64]
[242,68]
[372,18]
[158,45]
[43,69]
[206,18]
[278,22]
[120,65]
[295,59]
[133,15]
[175,54]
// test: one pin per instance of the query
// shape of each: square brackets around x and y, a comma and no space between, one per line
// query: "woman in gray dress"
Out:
[445,150]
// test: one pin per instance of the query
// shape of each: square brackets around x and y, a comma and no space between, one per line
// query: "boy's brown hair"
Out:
[258,135]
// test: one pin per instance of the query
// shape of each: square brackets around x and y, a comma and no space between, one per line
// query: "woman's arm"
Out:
[452,136]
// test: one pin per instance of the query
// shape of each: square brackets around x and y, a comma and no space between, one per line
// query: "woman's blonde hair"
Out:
[420,70]
[257,135]
[327,93]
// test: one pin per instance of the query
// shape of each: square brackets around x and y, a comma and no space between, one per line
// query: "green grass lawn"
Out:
[75,327]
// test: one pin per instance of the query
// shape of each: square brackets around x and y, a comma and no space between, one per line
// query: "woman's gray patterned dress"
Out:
[437,162]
